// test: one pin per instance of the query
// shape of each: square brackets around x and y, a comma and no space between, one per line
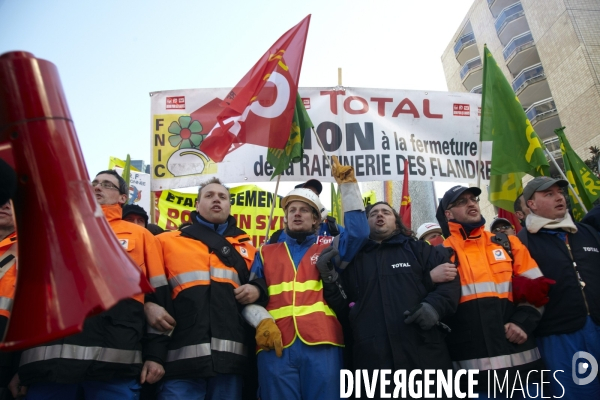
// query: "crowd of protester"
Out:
[229,319]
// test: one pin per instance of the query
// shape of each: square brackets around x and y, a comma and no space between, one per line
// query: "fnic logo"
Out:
[580,367]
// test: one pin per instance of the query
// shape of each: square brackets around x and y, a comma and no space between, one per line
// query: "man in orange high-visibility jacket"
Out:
[206,261]
[286,279]
[8,280]
[113,354]
[489,331]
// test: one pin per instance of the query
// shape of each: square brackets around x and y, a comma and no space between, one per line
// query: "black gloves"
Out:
[324,265]
[424,315]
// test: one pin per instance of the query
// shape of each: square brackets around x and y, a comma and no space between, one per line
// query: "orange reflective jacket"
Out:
[8,273]
[478,338]
[485,268]
[189,262]
[296,297]
[141,246]
[210,336]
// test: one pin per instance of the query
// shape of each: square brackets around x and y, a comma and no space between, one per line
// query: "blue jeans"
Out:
[125,389]
[303,372]
[558,351]
[220,387]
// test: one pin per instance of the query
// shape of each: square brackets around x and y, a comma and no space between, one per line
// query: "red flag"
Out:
[406,203]
[502,213]
[260,108]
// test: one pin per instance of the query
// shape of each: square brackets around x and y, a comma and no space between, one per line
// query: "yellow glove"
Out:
[342,173]
[268,336]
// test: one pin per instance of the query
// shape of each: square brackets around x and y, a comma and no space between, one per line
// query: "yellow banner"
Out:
[369,198]
[117,162]
[250,206]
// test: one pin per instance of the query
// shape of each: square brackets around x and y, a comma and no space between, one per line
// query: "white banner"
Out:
[374,130]
[139,189]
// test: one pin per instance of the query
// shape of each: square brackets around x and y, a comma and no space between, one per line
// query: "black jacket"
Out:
[120,329]
[383,281]
[211,336]
[566,311]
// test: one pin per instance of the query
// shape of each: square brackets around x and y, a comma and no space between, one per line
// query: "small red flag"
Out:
[406,203]
[260,108]
[502,213]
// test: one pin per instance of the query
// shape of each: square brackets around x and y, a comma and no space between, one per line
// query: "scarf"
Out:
[534,223]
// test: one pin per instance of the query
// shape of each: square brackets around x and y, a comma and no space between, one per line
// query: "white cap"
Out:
[428,227]
[305,195]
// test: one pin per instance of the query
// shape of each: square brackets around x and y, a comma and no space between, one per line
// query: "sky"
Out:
[111,54]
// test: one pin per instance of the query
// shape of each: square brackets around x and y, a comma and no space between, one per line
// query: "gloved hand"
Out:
[532,291]
[268,336]
[324,265]
[342,173]
[424,315]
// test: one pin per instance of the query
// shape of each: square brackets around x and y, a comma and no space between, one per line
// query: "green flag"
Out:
[294,148]
[516,148]
[336,205]
[580,176]
[504,190]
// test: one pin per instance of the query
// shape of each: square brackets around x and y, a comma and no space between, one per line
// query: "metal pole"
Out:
[321,146]
[479,164]
[272,208]
[565,178]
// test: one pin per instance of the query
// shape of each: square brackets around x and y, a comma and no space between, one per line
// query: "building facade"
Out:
[549,50]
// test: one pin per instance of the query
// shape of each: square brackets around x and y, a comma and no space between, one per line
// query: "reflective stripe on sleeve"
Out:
[507,361]
[223,273]
[532,273]
[158,281]
[187,277]
[6,303]
[74,352]
[486,287]
[193,351]
[228,346]
[205,349]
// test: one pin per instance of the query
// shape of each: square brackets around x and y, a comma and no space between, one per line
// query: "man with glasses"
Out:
[113,355]
[502,225]
[489,331]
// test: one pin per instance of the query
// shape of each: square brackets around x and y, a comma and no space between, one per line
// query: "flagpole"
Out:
[565,178]
[321,146]
[479,164]
[272,208]
[313,128]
